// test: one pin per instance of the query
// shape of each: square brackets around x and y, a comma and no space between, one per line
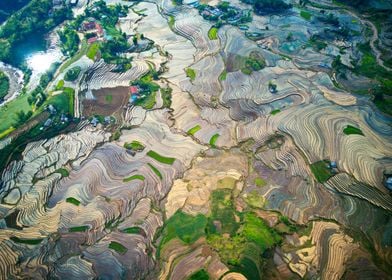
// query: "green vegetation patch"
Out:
[73,201]
[148,102]
[254,62]
[69,40]
[109,98]
[260,182]
[185,227]
[306,15]
[190,73]
[60,85]
[72,74]
[255,230]
[223,212]
[223,75]
[255,200]
[35,19]
[348,130]
[200,275]
[213,33]
[162,159]
[134,145]
[78,229]
[26,241]
[4,84]
[316,43]
[166,94]
[63,102]
[194,129]
[321,171]
[213,139]
[119,248]
[64,172]
[172,21]
[92,51]
[369,66]
[155,170]
[134,177]
[133,230]
[9,112]
[274,112]
[230,249]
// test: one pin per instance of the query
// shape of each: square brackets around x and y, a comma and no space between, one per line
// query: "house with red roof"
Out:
[93,31]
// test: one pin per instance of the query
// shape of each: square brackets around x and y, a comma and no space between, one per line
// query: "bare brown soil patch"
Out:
[107,101]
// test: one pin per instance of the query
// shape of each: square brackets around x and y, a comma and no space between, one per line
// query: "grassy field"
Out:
[306,15]
[6,132]
[257,231]
[199,275]
[26,241]
[260,182]
[134,177]
[73,201]
[222,209]
[348,130]
[109,98]
[213,33]
[172,21]
[92,50]
[8,112]
[134,145]
[64,172]
[160,158]
[194,129]
[185,227]
[78,229]
[223,75]
[274,112]
[133,230]
[213,139]
[155,170]
[190,73]
[148,102]
[166,94]
[63,102]
[321,171]
[119,248]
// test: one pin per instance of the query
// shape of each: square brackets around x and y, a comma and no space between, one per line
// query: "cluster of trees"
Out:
[111,13]
[111,52]
[72,74]
[263,7]
[7,7]
[177,2]
[254,62]
[37,96]
[22,117]
[4,84]
[69,40]
[112,49]
[36,16]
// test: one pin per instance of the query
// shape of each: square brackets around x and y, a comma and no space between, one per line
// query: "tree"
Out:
[22,117]
[134,40]
[5,48]
[263,7]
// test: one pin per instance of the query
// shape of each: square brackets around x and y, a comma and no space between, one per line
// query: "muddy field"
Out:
[106,101]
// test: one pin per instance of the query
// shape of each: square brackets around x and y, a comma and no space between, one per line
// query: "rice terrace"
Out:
[196,139]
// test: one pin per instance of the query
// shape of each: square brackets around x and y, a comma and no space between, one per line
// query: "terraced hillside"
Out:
[255,152]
